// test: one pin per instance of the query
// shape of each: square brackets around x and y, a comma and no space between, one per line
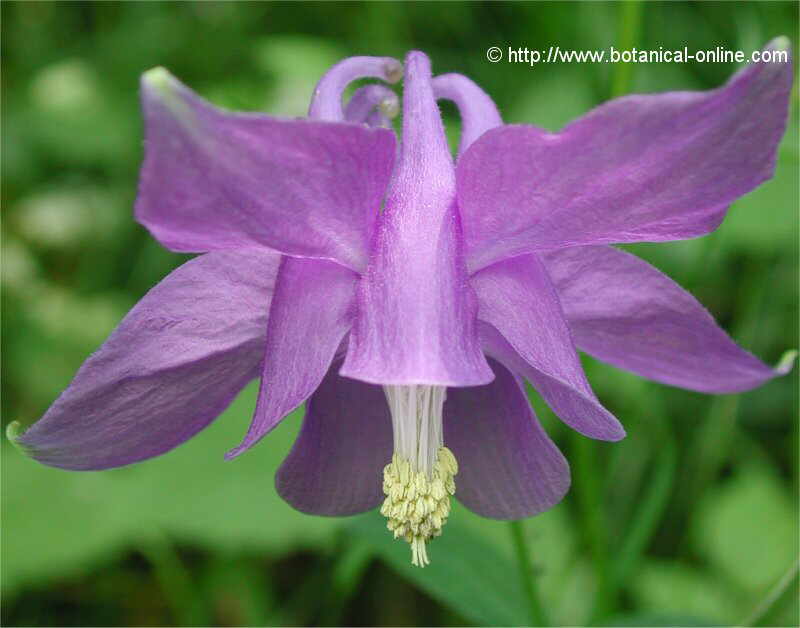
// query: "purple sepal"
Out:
[311,312]
[213,179]
[171,367]
[640,168]
[625,312]
[527,332]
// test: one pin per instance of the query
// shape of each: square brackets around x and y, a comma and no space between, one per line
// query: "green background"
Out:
[691,520]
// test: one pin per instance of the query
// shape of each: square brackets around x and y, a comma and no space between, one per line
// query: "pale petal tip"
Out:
[158,78]
[13,432]
[780,43]
[160,86]
[786,362]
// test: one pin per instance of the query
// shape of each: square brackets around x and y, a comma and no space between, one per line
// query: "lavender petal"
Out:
[213,179]
[416,312]
[508,467]
[524,328]
[311,312]
[625,312]
[336,464]
[642,168]
[171,367]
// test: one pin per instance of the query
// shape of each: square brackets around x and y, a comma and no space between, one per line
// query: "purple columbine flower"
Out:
[405,298]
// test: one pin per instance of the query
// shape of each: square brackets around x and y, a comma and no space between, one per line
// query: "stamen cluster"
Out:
[417,505]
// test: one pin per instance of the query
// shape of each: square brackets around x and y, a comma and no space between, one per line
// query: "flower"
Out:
[403,298]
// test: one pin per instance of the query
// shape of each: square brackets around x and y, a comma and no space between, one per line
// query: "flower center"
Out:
[418,482]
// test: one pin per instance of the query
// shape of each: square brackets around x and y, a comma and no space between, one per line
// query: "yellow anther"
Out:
[437,489]
[447,458]
[417,505]
[396,492]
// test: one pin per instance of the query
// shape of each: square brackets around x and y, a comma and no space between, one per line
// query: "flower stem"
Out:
[176,583]
[772,597]
[537,614]
[589,494]
[630,21]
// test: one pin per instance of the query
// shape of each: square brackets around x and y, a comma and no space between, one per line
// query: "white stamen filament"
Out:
[418,482]
[417,423]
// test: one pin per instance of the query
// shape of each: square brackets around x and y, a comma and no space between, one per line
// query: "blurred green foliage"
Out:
[689,521]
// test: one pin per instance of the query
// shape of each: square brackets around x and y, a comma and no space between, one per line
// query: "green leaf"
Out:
[564,575]
[57,522]
[748,528]
[658,619]
[672,588]
[466,572]
[648,513]
[308,57]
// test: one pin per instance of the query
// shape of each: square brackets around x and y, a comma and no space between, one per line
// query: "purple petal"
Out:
[172,366]
[416,312]
[326,103]
[212,179]
[625,312]
[508,467]
[310,315]
[639,168]
[527,332]
[336,464]
[478,111]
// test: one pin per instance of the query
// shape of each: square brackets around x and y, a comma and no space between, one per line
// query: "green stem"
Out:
[589,494]
[630,25]
[775,594]
[174,579]
[537,614]
[354,558]
[645,520]
[715,436]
